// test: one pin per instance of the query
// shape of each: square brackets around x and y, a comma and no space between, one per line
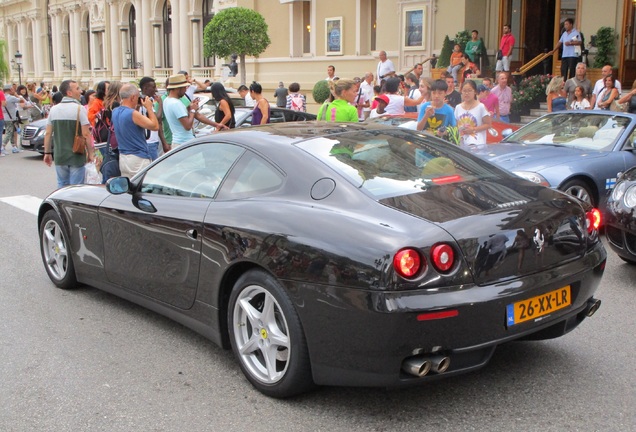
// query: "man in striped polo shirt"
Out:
[61,126]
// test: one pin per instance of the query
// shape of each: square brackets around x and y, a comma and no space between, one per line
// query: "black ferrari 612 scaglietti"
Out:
[334,254]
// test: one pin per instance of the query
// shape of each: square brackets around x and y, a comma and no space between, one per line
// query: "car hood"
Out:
[504,229]
[532,157]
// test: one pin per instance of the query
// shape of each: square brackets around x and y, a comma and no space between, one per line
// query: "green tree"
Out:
[238,31]
[4,65]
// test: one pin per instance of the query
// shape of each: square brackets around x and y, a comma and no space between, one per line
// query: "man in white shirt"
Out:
[244,92]
[606,71]
[194,85]
[385,68]
[331,73]
[367,88]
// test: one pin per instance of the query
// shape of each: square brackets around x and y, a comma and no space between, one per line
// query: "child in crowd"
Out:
[580,102]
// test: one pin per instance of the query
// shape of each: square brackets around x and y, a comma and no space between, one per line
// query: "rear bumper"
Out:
[361,338]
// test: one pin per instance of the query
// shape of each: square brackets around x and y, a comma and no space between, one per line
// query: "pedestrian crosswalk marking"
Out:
[28,203]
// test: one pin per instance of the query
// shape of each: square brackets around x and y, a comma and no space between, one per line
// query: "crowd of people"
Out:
[133,125]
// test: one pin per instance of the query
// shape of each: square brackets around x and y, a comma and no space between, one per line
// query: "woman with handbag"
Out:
[609,93]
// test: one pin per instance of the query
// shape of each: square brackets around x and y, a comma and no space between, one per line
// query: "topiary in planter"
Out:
[321,91]
[445,54]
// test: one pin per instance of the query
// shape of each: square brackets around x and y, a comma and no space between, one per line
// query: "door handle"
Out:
[192,233]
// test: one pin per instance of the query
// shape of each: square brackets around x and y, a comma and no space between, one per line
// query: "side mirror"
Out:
[506,132]
[118,185]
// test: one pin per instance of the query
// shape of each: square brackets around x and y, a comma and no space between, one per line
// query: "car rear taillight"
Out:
[408,263]
[442,257]
[593,220]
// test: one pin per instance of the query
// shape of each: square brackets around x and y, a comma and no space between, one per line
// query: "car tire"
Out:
[267,337]
[579,189]
[56,253]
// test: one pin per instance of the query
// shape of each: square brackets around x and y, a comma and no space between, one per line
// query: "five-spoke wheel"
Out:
[55,251]
[267,337]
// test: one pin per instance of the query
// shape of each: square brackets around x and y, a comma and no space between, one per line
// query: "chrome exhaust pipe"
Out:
[440,364]
[592,306]
[418,366]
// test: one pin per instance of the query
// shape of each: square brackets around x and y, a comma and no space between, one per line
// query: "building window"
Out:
[87,51]
[132,38]
[368,24]
[49,38]
[167,34]
[414,28]
[306,27]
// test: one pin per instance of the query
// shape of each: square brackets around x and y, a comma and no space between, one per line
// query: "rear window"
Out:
[395,162]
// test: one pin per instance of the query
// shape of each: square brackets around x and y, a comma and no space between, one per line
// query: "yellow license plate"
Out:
[538,306]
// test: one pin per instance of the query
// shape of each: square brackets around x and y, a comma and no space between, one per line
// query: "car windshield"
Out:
[591,131]
[390,163]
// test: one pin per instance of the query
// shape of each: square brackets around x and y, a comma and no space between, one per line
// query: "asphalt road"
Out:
[85,360]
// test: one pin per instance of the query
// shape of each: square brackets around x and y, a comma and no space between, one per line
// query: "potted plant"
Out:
[528,94]
[604,44]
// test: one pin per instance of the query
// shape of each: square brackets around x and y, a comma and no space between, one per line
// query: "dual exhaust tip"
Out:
[421,365]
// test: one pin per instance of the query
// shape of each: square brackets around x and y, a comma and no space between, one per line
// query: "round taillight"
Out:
[442,257]
[407,263]
[593,220]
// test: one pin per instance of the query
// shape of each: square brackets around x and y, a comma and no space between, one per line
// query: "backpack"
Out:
[297,102]
[103,129]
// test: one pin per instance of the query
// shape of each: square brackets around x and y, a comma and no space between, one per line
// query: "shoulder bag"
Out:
[79,142]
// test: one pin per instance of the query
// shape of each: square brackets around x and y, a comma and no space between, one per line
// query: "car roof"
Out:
[289,132]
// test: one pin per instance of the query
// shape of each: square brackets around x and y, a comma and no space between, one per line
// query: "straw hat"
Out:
[177,81]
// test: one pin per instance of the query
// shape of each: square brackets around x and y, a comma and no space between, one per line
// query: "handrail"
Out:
[532,63]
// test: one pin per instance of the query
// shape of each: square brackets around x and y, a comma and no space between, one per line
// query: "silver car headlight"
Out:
[630,196]
[619,191]
[533,177]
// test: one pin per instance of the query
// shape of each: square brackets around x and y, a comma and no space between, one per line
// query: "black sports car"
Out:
[336,254]
[621,218]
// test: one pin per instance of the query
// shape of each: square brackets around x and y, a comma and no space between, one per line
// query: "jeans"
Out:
[1,127]
[69,175]
[505,118]
[153,149]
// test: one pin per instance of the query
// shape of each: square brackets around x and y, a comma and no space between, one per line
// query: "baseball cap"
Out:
[7,87]
[481,88]
[384,98]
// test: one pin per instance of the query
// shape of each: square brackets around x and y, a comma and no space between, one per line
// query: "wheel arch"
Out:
[230,277]
[585,179]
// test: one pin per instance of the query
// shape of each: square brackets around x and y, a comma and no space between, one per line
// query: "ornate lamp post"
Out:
[18,64]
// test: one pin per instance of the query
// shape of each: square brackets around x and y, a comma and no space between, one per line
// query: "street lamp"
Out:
[18,62]
[138,65]
[64,64]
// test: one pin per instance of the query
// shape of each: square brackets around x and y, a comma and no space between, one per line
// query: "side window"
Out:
[196,171]
[252,176]
[630,142]
[277,117]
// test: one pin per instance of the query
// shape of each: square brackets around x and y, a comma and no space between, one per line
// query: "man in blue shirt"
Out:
[435,115]
[130,129]
[571,41]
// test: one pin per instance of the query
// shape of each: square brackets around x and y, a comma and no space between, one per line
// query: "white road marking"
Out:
[28,203]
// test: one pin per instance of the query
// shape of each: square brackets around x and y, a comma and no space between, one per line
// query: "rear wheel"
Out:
[56,253]
[267,337]
[579,189]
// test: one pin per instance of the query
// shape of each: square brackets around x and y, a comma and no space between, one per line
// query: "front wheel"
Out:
[56,252]
[579,189]
[267,336]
